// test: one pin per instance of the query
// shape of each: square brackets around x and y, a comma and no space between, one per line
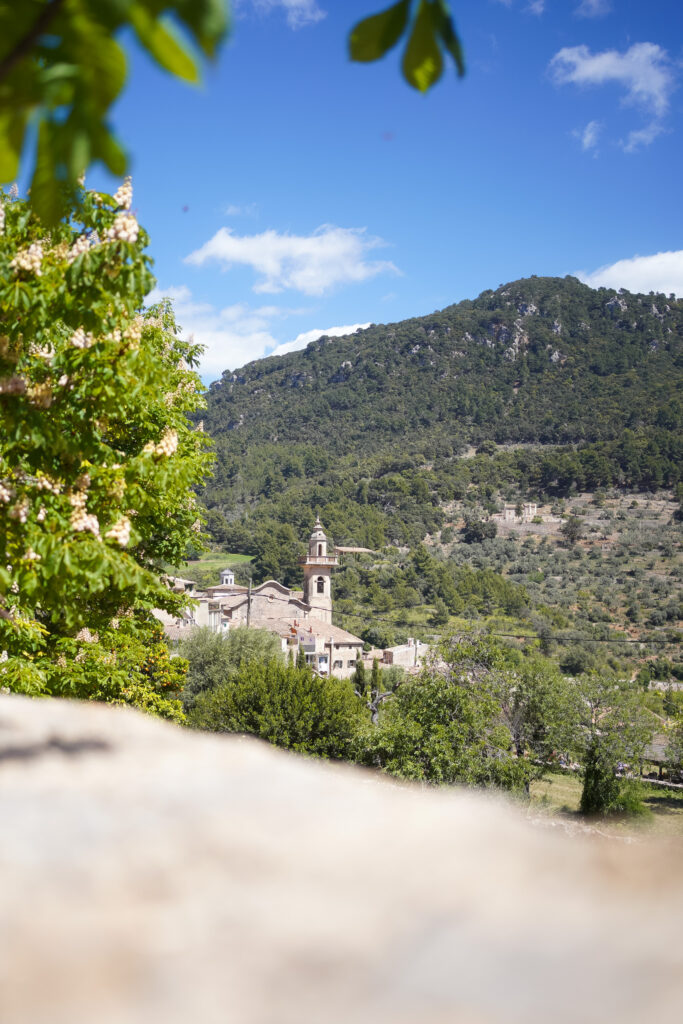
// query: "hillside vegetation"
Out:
[587,381]
[414,433]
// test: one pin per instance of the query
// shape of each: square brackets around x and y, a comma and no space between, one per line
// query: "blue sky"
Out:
[294,192]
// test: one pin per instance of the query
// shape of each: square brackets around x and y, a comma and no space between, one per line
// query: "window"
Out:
[350,664]
[338,664]
[320,549]
[320,585]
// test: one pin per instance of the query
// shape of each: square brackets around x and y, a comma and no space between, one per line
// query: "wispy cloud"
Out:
[246,210]
[298,12]
[589,135]
[536,7]
[661,272]
[593,8]
[312,264]
[231,336]
[644,72]
[237,334]
[302,340]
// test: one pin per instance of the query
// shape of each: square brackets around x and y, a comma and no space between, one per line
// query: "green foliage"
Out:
[62,69]
[445,725]
[215,658]
[572,529]
[128,663]
[358,678]
[97,458]
[612,729]
[286,705]
[476,529]
[429,31]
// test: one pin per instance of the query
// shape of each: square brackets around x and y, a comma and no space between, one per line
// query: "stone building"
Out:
[301,618]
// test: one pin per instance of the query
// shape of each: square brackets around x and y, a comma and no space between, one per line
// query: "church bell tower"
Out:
[318,566]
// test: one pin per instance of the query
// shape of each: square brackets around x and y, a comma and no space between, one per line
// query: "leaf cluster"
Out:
[62,67]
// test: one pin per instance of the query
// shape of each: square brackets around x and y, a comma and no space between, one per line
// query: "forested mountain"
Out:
[369,428]
[546,360]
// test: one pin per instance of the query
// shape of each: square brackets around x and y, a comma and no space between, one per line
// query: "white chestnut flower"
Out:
[133,331]
[124,229]
[81,245]
[29,259]
[124,194]
[6,493]
[20,510]
[86,636]
[79,339]
[83,522]
[168,444]
[120,532]
[46,483]
[31,556]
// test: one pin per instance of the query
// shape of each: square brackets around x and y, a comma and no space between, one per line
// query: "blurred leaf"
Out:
[79,152]
[46,195]
[371,38]
[12,127]
[422,61]
[207,20]
[103,65]
[162,45]
[446,29]
[106,147]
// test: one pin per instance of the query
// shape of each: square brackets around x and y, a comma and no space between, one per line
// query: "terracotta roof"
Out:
[283,626]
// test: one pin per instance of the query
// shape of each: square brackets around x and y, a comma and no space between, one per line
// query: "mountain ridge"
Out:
[493,367]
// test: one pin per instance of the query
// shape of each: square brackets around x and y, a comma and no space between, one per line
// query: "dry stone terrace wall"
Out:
[149,874]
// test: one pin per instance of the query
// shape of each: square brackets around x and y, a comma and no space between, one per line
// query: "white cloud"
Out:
[662,272]
[589,135]
[312,264]
[642,136]
[593,8]
[231,336]
[644,71]
[536,6]
[298,12]
[302,340]
[237,334]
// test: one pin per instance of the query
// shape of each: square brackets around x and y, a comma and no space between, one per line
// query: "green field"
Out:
[558,795]
[205,570]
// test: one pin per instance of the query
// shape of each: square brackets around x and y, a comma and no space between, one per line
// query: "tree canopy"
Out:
[98,459]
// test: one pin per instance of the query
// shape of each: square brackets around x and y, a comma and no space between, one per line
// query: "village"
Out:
[302,619]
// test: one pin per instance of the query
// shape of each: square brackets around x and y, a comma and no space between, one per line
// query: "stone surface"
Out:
[148,874]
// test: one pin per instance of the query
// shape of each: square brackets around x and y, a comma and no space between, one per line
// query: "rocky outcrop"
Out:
[149,874]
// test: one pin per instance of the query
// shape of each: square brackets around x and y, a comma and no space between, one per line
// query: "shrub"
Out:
[286,705]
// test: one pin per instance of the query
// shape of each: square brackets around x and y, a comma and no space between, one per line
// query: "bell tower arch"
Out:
[318,566]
